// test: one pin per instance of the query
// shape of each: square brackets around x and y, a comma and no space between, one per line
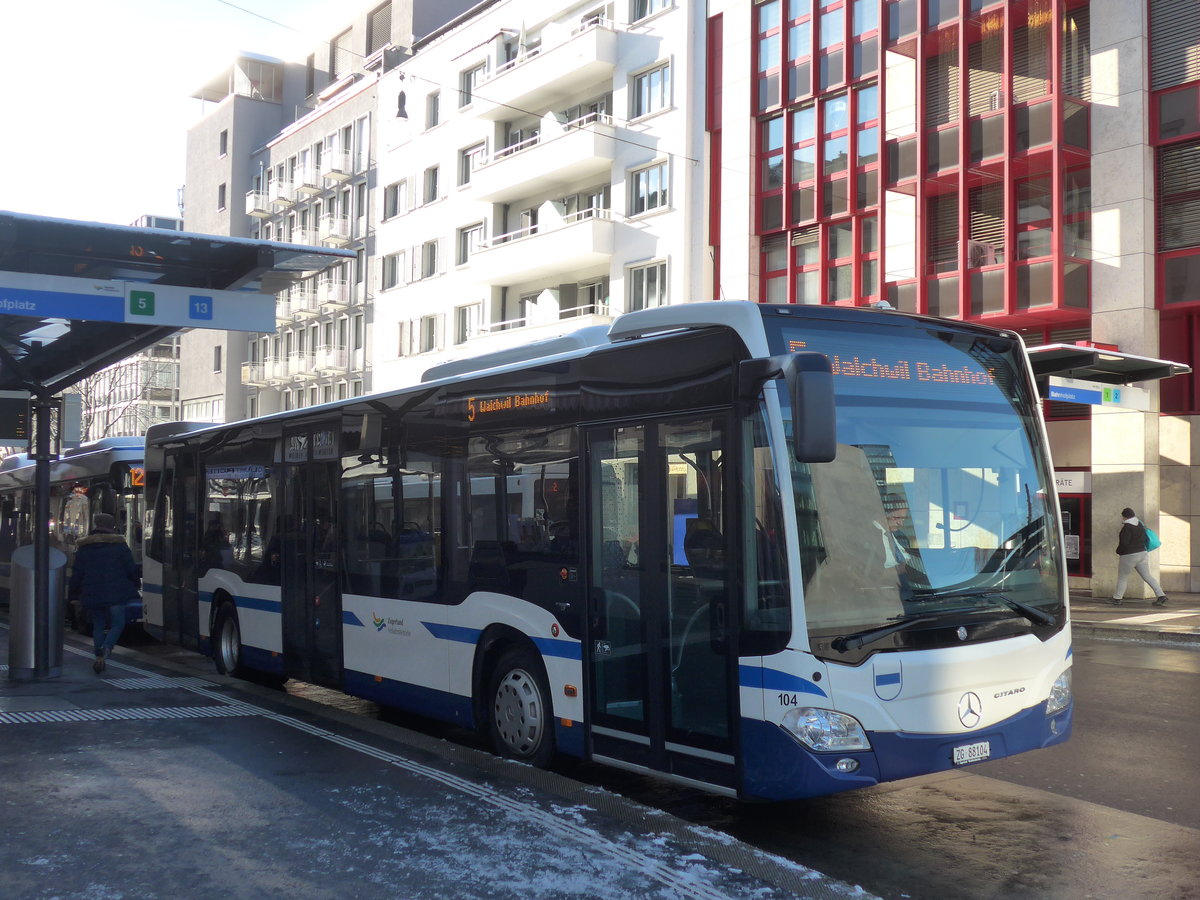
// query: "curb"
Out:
[1131,633]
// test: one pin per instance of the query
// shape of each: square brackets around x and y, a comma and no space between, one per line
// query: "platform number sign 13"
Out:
[200,307]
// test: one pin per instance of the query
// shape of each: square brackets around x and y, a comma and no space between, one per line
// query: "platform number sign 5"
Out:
[141,303]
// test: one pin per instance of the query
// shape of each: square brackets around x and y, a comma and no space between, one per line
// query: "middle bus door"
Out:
[310,592]
[660,657]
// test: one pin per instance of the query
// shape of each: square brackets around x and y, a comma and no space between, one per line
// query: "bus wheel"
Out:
[227,641]
[519,708]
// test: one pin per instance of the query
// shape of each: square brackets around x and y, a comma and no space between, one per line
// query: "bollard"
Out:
[35,636]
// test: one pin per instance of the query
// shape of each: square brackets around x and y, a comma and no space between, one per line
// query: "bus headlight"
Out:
[1060,694]
[825,730]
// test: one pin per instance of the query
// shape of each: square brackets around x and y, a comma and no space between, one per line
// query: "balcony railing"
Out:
[308,182]
[334,294]
[575,312]
[337,165]
[332,359]
[302,300]
[334,230]
[283,193]
[275,369]
[254,374]
[572,57]
[257,205]
[582,240]
[582,151]
[306,236]
[283,310]
[300,364]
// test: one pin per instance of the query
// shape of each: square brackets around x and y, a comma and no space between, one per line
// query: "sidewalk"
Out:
[162,779]
[1138,620]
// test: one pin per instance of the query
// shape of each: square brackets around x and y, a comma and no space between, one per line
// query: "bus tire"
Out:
[520,722]
[227,641]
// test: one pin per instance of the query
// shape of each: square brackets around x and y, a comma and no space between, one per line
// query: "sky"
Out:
[97,103]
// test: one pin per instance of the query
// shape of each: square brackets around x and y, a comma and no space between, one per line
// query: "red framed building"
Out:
[1033,165]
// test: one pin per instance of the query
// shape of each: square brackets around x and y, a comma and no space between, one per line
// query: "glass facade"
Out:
[910,153]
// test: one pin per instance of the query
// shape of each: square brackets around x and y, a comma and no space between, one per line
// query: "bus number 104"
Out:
[789,700]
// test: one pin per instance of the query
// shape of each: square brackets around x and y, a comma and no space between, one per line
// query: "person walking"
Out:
[1134,557]
[104,577]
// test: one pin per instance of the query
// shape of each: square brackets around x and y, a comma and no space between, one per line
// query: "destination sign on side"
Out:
[133,302]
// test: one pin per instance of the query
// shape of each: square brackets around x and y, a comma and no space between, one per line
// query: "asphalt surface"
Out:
[161,778]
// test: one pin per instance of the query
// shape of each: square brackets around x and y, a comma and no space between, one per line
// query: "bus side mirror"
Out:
[814,424]
[809,378]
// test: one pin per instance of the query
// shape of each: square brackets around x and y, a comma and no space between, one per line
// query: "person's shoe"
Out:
[1161,601]
[1117,601]
[98,665]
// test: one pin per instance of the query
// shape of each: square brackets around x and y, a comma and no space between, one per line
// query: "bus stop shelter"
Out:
[76,297]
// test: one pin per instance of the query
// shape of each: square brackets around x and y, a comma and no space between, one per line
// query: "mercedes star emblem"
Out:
[970,709]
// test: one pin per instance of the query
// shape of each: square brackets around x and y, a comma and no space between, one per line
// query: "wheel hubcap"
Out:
[518,712]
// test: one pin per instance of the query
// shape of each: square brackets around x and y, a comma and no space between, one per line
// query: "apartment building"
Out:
[1027,164]
[540,168]
[286,151]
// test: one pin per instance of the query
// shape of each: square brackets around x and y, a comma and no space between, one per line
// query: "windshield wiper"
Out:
[1032,612]
[860,639]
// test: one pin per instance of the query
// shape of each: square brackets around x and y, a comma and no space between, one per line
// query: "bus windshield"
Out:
[937,505]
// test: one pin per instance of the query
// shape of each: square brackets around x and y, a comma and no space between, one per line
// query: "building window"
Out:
[769,46]
[469,240]
[221,198]
[432,109]
[647,286]
[392,272]
[641,9]
[217,358]
[356,388]
[468,321]
[379,27]
[648,189]
[651,91]
[310,75]
[429,259]
[341,57]
[468,80]
[469,159]
[429,333]
[358,332]
[771,174]
[430,193]
[1179,222]
[223,143]
[395,199]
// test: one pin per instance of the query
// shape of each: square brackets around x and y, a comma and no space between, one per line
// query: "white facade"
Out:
[546,175]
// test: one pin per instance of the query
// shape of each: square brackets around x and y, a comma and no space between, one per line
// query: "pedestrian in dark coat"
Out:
[1132,556]
[104,577]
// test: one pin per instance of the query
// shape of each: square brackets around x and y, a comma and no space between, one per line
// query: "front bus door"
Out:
[312,600]
[661,661]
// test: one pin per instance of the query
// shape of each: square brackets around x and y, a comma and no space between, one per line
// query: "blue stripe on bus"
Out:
[774,680]
[349,618]
[457,633]
[893,678]
[148,588]
[561,648]
[464,635]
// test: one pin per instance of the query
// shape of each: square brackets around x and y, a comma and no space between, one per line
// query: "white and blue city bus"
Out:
[101,476]
[667,546]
